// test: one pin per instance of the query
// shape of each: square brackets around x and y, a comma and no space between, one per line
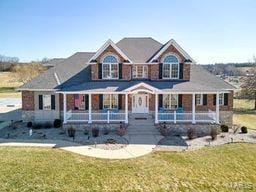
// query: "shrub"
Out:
[47,125]
[244,129]
[86,131]
[95,132]
[105,131]
[71,132]
[164,131]
[37,126]
[224,128]
[121,131]
[213,133]
[29,124]
[191,133]
[57,123]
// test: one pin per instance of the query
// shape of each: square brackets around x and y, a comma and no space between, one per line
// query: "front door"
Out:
[140,103]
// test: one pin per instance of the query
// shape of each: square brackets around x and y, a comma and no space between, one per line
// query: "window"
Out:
[110,101]
[110,67]
[221,99]
[47,102]
[170,67]
[140,71]
[170,101]
[199,99]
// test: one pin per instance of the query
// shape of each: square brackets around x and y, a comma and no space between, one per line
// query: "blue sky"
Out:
[210,31]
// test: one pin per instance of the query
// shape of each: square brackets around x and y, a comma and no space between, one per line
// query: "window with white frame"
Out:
[199,99]
[110,67]
[140,71]
[221,98]
[170,67]
[170,101]
[110,101]
[47,102]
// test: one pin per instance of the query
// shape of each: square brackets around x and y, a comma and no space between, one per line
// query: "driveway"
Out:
[10,109]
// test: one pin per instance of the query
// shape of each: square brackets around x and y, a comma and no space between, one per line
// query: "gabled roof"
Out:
[105,46]
[139,49]
[177,46]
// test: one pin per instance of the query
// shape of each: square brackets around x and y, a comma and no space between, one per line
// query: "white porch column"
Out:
[156,109]
[217,108]
[126,108]
[90,108]
[194,109]
[64,108]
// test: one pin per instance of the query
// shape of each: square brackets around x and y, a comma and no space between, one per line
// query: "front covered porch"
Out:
[139,99]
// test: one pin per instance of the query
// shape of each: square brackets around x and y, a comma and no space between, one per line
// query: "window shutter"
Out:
[214,99]
[119,101]
[100,101]
[53,102]
[86,97]
[160,100]
[100,70]
[181,71]
[160,70]
[40,100]
[225,98]
[120,70]
[180,100]
[204,99]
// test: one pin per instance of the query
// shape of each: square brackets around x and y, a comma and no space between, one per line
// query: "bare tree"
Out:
[26,72]
[6,62]
[249,85]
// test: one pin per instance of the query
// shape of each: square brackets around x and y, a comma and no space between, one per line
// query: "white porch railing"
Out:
[95,117]
[208,117]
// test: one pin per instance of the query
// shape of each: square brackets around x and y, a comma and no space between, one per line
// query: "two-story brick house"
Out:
[134,76]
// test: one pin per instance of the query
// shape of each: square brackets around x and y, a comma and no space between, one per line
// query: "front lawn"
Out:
[224,168]
[244,114]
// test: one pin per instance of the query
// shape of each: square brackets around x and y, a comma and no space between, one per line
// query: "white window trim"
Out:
[171,54]
[102,67]
[144,75]
[170,100]
[201,99]
[221,99]
[44,102]
[110,100]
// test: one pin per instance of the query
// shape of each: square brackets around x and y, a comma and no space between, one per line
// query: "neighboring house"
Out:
[134,76]
[53,62]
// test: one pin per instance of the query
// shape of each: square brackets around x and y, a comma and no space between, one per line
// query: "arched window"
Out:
[110,67]
[170,67]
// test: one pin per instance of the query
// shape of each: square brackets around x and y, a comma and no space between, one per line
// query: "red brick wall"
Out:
[152,99]
[187,103]
[126,72]
[70,102]
[28,102]
[95,102]
[94,72]
[153,71]
[172,49]
[186,71]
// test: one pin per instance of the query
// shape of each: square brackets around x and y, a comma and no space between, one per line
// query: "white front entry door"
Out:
[140,103]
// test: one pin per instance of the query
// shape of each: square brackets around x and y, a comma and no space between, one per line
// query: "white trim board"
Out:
[177,46]
[109,42]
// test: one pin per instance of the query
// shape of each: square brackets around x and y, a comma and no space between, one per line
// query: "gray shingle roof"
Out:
[201,80]
[139,50]
[71,71]
[53,62]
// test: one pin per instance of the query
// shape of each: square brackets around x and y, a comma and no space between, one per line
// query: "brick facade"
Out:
[28,102]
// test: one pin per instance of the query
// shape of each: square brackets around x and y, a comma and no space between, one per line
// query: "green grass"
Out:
[224,168]
[7,89]
[244,114]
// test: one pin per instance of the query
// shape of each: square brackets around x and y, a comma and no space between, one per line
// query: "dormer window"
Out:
[110,67]
[170,67]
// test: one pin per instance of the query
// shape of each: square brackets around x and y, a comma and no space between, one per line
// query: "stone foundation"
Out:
[182,128]
[28,116]
[82,126]
[226,117]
